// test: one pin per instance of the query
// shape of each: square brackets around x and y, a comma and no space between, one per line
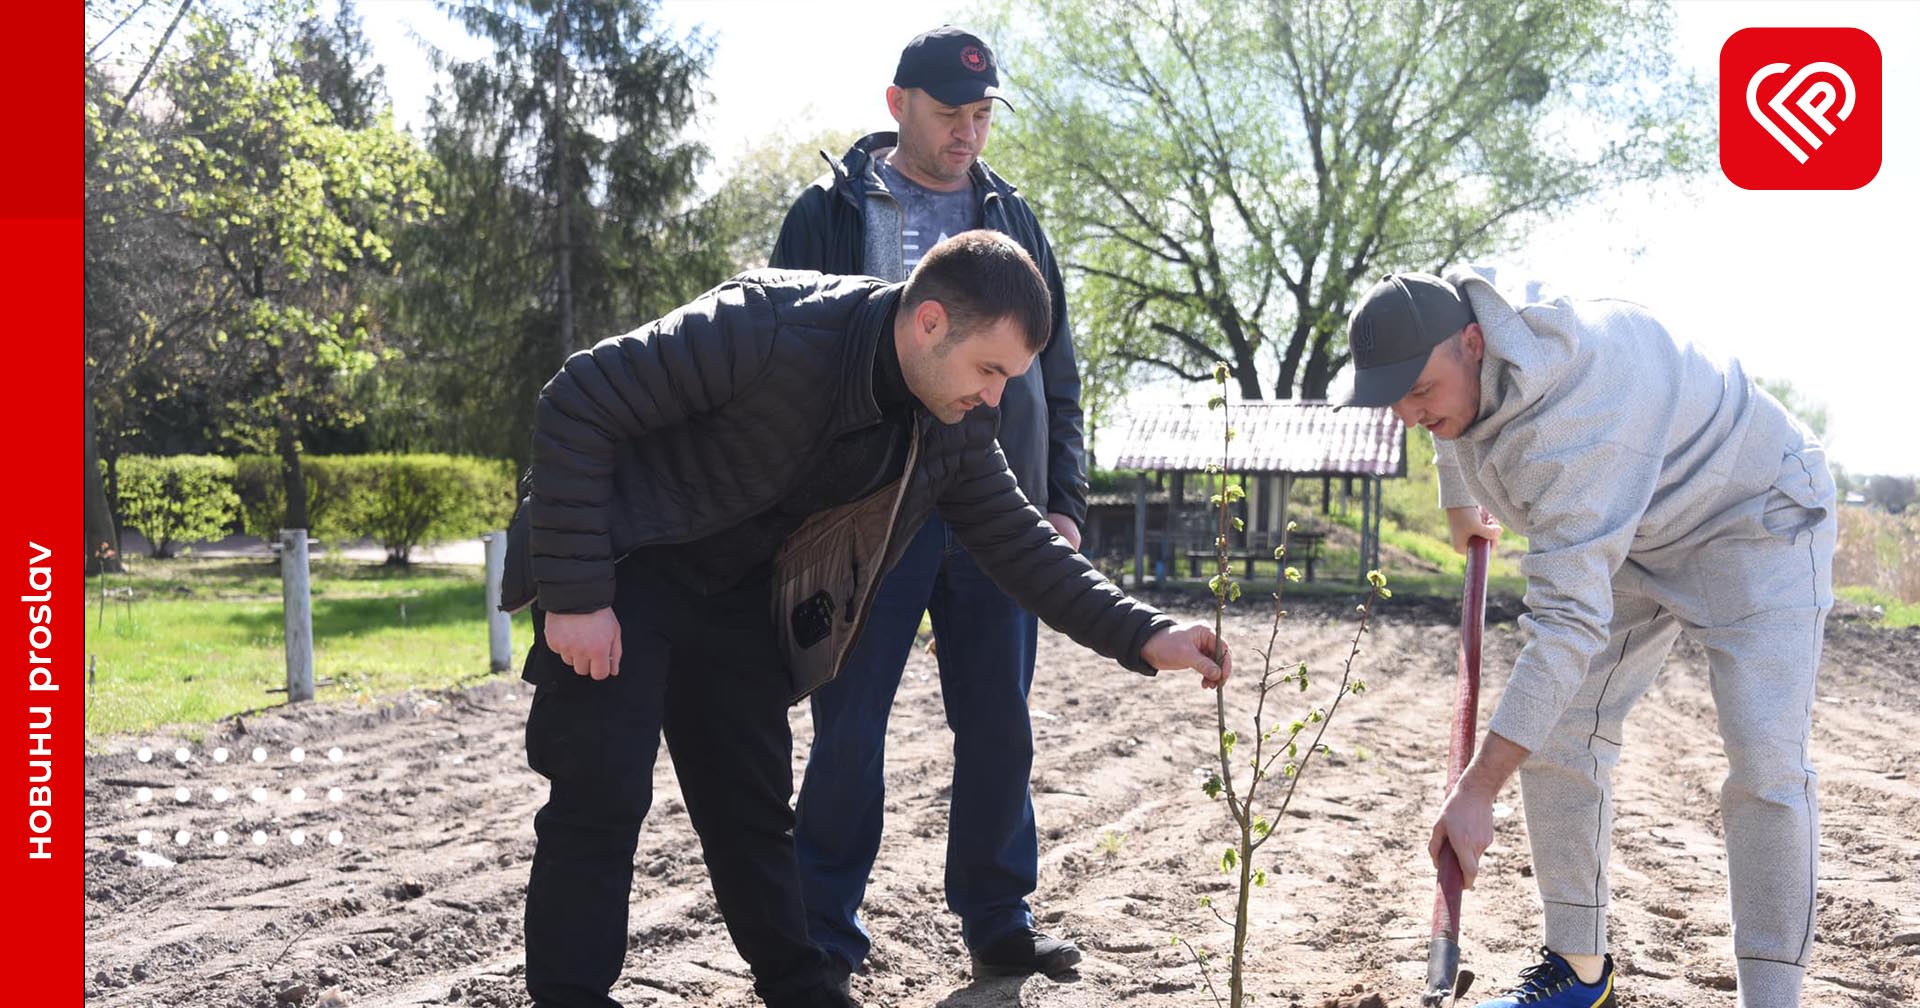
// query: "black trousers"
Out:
[707,671]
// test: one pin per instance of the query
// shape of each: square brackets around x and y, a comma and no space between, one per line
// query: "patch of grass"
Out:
[1433,552]
[1898,613]
[242,580]
[194,641]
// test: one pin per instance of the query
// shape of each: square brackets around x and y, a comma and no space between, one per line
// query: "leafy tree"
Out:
[281,206]
[335,60]
[567,189]
[1224,177]
[127,286]
[1893,493]
[747,211]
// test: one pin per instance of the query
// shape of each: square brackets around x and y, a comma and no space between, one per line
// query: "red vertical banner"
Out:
[42,564]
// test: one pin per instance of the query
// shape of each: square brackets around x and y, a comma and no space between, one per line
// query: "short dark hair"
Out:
[981,277]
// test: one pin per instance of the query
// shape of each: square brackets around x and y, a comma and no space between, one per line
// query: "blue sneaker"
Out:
[1551,983]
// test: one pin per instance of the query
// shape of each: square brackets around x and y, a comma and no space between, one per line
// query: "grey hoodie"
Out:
[1602,438]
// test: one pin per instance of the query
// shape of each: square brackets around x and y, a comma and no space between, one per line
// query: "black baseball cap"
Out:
[952,65]
[1395,328]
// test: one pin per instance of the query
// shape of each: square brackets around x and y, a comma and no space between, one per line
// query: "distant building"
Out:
[1274,444]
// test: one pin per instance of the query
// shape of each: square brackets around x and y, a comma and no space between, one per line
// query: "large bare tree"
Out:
[1222,178]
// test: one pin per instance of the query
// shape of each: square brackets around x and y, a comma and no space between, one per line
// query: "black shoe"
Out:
[1023,952]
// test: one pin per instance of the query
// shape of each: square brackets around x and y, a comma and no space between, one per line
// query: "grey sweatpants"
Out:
[1753,590]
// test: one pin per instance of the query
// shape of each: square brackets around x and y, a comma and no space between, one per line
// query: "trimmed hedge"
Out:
[177,498]
[401,501]
[398,501]
[263,496]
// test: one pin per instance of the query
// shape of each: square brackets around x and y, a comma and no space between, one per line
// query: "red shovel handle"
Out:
[1466,711]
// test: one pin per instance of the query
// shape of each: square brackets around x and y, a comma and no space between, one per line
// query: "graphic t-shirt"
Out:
[928,216]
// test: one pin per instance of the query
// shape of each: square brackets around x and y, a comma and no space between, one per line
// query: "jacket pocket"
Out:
[1779,555]
[566,729]
[1802,495]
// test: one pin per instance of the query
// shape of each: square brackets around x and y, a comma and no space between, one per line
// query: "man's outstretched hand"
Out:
[1190,645]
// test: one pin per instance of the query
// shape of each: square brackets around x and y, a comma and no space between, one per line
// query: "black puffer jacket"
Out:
[1041,424]
[704,418]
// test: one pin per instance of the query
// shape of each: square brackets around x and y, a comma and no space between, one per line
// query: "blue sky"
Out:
[1819,288]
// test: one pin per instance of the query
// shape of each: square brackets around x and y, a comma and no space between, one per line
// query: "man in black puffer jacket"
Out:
[715,498]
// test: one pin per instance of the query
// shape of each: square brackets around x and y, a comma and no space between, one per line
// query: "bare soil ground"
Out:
[419,902]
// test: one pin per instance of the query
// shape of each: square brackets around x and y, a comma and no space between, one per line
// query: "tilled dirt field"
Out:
[419,900]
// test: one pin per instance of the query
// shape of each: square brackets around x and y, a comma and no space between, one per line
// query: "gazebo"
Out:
[1274,444]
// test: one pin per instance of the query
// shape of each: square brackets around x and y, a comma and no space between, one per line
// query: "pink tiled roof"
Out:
[1272,437]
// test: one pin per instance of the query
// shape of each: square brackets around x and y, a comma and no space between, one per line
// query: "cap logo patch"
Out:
[973,59]
[1362,339]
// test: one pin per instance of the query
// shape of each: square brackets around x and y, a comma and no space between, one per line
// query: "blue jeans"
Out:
[986,646]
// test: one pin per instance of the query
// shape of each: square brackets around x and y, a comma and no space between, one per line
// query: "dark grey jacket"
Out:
[1041,426]
[693,423]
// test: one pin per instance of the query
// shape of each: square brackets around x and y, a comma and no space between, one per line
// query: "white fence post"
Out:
[298,604]
[499,624]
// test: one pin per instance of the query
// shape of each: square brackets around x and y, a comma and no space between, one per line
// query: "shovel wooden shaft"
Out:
[1443,953]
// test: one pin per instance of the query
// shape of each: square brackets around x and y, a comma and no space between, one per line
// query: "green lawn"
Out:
[193,641]
[188,642]
[1440,553]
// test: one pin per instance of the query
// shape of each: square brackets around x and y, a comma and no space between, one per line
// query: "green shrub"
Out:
[403,501]
[1413,503]
[176,499]
[263,496]
[1110,480]
[398,501]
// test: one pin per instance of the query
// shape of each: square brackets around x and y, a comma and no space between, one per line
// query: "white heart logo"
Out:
[1815,102]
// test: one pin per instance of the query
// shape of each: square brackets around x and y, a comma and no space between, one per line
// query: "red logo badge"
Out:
[1800,108]
[973,58]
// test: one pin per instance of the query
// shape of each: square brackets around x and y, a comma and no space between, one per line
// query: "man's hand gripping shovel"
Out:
[1446,981]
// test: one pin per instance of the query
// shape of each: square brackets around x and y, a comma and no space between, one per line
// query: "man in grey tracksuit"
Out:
[1662,493]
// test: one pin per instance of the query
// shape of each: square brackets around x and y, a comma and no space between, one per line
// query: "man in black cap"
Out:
[891,197]
[1663,494]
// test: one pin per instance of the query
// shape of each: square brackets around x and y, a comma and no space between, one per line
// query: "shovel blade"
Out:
[1443,967]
